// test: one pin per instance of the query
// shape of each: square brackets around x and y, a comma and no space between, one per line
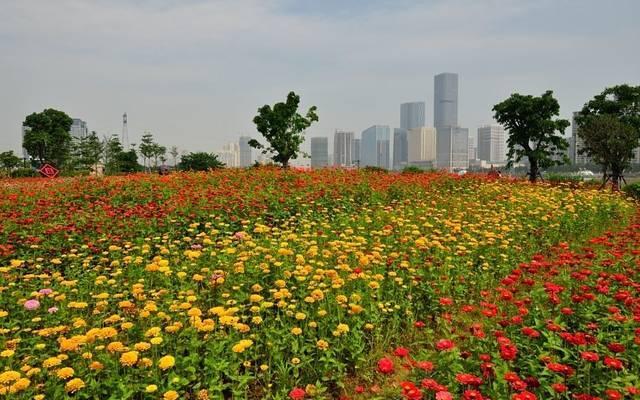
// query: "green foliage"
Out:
[609,126]
[128,162]
[8,160]
[373,169]
[48,138]
[87,152]
[412,169]
[200,161]
[533,133]
[283,128]
[633,190]
[24,173]
[117,160]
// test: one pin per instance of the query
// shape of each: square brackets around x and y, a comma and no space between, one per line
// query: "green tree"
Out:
[200,161]
[610,144]
[533,133]
[283,128]
[8,160]
[112,154]
[147,149]
[91,151]
[158,153]
[47,137]
[128,162]
[174,154]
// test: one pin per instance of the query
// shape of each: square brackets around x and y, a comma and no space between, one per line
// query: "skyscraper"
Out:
[492,144]
[399,148]
[230,155]
[245,151]
[452,146]
[412,115]
[342,148]
[580,159]
[445,100]
[319,152]
[79,129]
[355,154]
[421,146]
[374,150]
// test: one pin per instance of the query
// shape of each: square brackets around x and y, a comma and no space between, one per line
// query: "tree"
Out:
[158,152]
[89,151]
[47,137]
[147,149]
[610,143]
[128,162]
[112,154]
[533,133]
[200,161]
[174,154]
[283,128]
[8,160]
[609,125]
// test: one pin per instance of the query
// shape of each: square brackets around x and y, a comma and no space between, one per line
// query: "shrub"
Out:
[633,190]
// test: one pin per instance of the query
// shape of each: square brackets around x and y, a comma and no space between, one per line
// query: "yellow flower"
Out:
[9,376]
[51,362]
[96,366]
[241,346]
[142,346]
[170,395]
[166,362]
[20,385]
[151,388]
[156,340]
[295,361]
[296,331]
[129,358]
[300,316]
[342,328]
[65,373]
[322,344]
[74,385]
[7,353]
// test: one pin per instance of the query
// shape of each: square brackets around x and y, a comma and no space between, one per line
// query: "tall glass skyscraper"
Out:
[319,152]
[400,148]
[343,148]
[445,100]
[245,151]
[412,115]
[375,146]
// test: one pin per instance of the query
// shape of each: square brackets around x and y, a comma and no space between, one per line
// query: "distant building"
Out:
[79,129]
[579,159]
[245,151]
[452,148]
[230,155]
[473,148]
[421,146]
[343,148]
[355,154]
[412,115]
[25,153]
[445,100]
[492,144]
[400,149]
[319,152]
[375,146]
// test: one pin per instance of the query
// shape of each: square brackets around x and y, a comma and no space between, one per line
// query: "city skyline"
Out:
[194,73]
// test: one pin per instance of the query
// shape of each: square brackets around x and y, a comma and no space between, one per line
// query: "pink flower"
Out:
[45,292]
[444,396]
[31,304]
[52,310]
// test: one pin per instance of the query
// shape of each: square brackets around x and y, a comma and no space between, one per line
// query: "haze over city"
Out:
[193,73]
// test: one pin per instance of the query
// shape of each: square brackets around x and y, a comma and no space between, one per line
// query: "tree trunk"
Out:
[533,170]
[616,177]
[285,164]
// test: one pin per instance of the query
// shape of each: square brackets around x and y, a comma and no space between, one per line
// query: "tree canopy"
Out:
[283,128]
[199,161]
[47,137]
[533,132]
[8,160]
[609,126]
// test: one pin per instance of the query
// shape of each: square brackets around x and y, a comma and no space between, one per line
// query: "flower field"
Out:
[318,284]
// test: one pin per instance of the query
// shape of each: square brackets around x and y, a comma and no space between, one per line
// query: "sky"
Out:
[194,72]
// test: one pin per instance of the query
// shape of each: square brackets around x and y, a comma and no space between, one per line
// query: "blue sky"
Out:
[194,72]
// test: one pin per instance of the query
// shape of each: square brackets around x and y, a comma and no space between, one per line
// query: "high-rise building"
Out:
[473,148]
[245,151]
[319,152]
[412,115]
[343,148]
[399,148]
[579,159]
[492,144]
[445,100]
[230,155]
[375,146]
[79,129]
[355,154]
[452,147]
[422,146]
[25,153]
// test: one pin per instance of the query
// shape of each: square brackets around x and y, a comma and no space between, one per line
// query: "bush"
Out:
[370,168]
[412,169]
[24,173]
[633,190]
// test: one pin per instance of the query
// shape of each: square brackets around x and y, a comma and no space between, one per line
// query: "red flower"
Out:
[472,395]
[508,351]
[445,301]
[385,366]
[410,391]
[530,332]
[425,365]
[559,387]
[589,356]
[444,345]
[613,394]
[401,352]
[419,324]
[613,363]
[616,347]
[444,395]
[524,396]
[297,394]
[359,389]
[468,379]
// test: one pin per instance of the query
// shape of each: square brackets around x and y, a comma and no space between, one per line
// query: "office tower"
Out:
[580,159]
[492,144]
[399,148]
[25,153]
[412,115]
[473,148]
[452,147]
[230,155]
[319,152]
[342,148]
[245,151]
[445,100]
[355,154]
[78,129]
[421,146]
[374,149]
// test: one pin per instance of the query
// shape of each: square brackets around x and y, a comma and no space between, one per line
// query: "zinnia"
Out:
[385,366]
[31,304]
[297,394]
